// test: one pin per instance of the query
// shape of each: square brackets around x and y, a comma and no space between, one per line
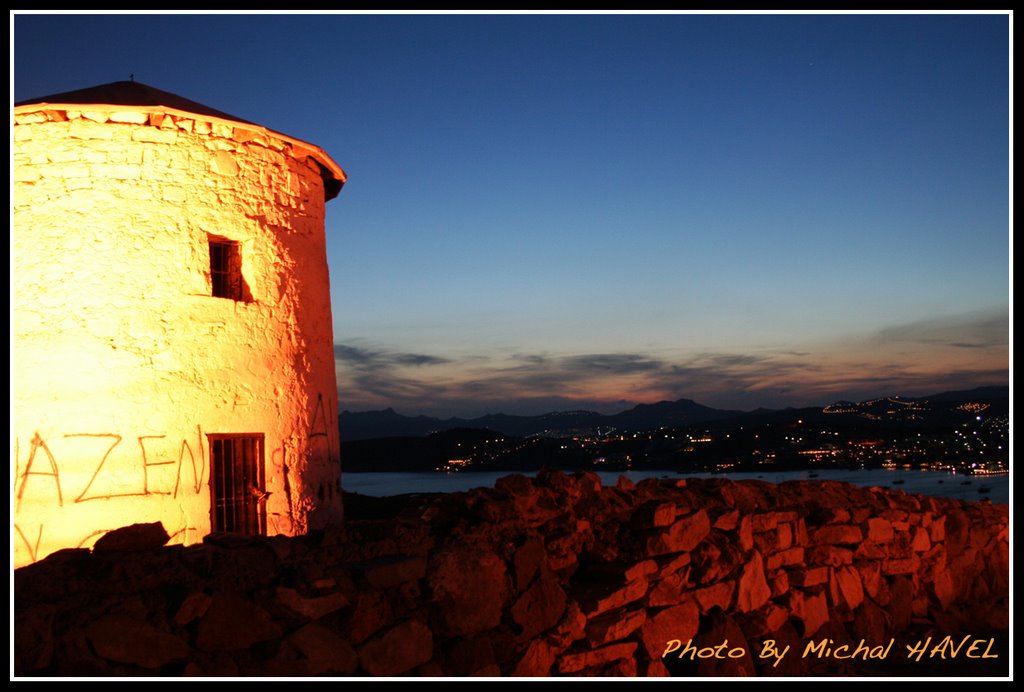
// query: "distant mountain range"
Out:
[388,423]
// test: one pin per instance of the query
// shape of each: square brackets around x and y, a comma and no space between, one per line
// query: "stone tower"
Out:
[172,340]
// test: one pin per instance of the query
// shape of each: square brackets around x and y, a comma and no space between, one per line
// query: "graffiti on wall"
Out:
[114,470]
[108,466]
[108,480]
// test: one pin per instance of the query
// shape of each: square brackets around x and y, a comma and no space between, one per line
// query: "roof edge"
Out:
[333,175]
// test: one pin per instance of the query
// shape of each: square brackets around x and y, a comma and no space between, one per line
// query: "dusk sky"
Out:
[549,212]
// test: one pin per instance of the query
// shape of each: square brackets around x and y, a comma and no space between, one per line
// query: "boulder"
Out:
[539,608]
[753,591]
[683,536]
[232,622]
[679,622]
[124,639]
[469,588]
[133,538]
[399,650]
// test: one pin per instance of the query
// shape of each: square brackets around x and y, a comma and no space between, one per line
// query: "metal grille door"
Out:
[237,484]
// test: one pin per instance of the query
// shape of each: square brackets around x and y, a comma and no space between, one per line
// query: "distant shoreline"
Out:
[929,483]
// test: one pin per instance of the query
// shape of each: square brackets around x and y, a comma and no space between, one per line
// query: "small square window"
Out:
[226,270]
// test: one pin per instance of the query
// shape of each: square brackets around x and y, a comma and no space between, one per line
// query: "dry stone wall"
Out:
[550,576]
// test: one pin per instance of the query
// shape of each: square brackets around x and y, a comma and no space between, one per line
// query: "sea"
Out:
[994,489]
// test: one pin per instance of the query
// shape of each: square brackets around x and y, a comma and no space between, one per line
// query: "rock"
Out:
[469,590]
[371,614]
[671,565]
[943,587]
[575,662]
[124,639]
[901,603]
[654,669]
[717,595]
[232,622]
[324,652]
[810,609]
[715,558]
[667,591]
[387,572]
[871,551]
[310,608]
[571,628]
[878,530]
[767,521]
[469,656]
[679,622]
[133,538]
[790,556]
[870,577]
[536,661]
[800,536]
[617,668]
[848,589]
[530,558]
[836,515]
[746,534]
[398,650]
[784,536]
[532,504]
[906,565]
[540,608]
[753,591]
[683,536]
[614,626]
[829,555]
[620,571]
[194,606]
[646,568]
[780,583]
[595,599]
[210,666]
[33,639]
[870,622]
[774,618]
[810,576]
[515,484]
[653,514]
[921,542]
[722,629]
[726,519]
[837,534]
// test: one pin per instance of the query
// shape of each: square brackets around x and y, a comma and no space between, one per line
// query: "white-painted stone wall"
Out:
[124,362]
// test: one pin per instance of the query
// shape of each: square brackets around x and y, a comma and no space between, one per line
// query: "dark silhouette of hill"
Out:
[982,394]
[388,423]
[937,409]
[367,425]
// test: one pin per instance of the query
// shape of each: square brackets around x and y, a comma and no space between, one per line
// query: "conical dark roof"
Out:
[131,93]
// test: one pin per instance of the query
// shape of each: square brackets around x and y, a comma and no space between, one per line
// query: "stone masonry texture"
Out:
[549,576]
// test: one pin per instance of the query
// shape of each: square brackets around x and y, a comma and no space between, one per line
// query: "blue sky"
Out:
[591,211]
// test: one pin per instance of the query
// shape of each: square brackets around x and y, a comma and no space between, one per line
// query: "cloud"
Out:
[531,381]
[980,329]
[914,359]
[614,363]
[368,358]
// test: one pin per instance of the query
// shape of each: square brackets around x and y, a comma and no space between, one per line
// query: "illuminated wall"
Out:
[125,362]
